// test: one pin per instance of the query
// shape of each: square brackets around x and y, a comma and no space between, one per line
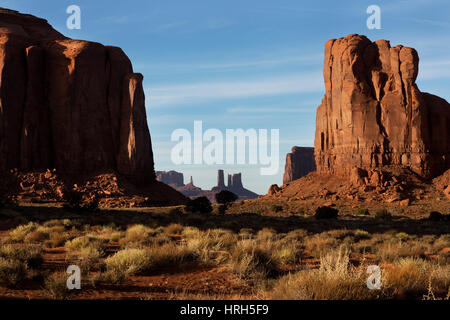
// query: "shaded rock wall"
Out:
[299,163]
[73,105]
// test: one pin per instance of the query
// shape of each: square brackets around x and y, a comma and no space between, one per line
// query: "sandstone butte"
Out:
[299,163]
[373,114]
[71,105]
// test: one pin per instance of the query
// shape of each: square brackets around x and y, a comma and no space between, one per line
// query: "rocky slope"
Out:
[373,114]
[299,163]
[71,105]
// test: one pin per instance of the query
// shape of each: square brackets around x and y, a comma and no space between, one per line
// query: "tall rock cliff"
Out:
[73,105]
[299,163]
[373,114]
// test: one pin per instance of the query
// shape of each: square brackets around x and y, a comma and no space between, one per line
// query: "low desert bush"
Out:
[383,214]
[335,280]
[12,272]
[326,213]
[252,261]
[55,286]
[31,255]
[199,205]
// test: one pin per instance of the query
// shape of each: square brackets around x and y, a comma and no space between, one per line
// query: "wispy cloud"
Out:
[434,69]
[273,110]
[310,60]
[182,94]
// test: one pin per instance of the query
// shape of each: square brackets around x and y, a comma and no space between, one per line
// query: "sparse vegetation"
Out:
[267,257]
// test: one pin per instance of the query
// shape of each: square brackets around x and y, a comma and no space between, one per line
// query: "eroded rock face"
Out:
[373,113]
[73,105]
[299,163]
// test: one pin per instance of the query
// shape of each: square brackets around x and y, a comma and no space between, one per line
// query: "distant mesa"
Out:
[190,190]
[74,107]
[299,163]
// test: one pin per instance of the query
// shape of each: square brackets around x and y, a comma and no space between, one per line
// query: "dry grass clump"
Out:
[250,260]
[412,277]
[84,242]
[19,233]
[12,272]
[133,261]
[31,255]
[318,245]
[335,280]
[55,286]
[394,249]
[138,235]
[212,246]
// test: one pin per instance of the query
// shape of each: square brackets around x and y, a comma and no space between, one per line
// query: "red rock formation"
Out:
[69,104]
[299,163]
[374,115]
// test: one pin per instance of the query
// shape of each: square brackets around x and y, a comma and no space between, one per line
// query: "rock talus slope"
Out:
[374,115]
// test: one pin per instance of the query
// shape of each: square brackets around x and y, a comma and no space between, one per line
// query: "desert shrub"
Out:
[31,255]
[225,198]
[408,277]
[12,272]
[276,208]
[19,233]
[135,261]
[326,213]
[335,280]
[36,236]
[200,205]
[250,261]
[436,216]
[363,212]
[393,250]
[87,241]
[383,214]
[212,246]
[317,245]
[87,258]
[56,286]
[137,235]
[128,261]
[174,228]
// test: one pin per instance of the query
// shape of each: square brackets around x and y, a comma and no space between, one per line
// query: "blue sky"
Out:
[245,64]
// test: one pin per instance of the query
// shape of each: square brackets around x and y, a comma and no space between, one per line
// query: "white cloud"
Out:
[182,94]
[434,69]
